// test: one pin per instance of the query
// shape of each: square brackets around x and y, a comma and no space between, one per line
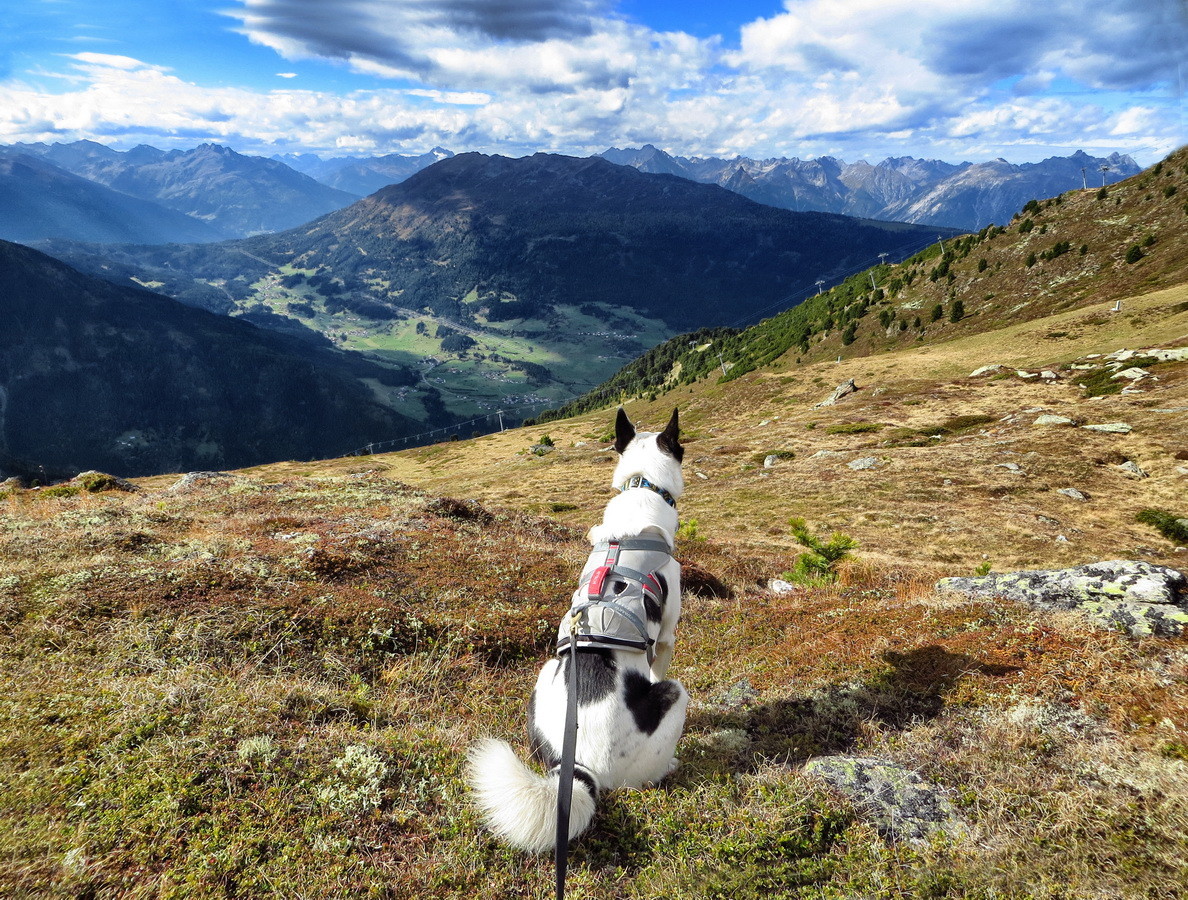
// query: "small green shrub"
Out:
[818,565]
[1134,254]
[1168,524]
[689,530]
[853,428]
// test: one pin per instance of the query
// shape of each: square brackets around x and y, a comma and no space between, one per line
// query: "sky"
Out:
[855,79]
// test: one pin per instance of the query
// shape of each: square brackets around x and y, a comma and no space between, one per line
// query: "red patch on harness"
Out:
[597,580]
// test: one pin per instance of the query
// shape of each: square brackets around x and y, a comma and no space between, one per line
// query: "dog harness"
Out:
[609,608]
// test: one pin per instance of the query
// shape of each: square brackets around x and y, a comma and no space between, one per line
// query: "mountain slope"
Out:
[235,194]
[1071,251]
[549,229]
[98,376]
[519,282]
[967,196]
[39,201]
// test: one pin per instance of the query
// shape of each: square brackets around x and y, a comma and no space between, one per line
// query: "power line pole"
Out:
[819,283]
[500,414]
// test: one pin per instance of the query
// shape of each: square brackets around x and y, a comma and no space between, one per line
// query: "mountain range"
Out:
[516,281]
[236,195]
[39,200]
[967,196]
[95,375]
[362,176]
[232,194]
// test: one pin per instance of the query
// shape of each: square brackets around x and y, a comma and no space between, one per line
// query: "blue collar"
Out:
[638,481]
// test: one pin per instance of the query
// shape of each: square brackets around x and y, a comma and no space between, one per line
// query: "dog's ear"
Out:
[624,431]
[669,440]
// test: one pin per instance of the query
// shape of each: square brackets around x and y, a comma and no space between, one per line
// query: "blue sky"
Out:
[857,79]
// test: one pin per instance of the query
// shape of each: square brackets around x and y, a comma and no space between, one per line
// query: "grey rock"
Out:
[900,804]
[866,462]
[1110,428]
[194,480]
[779,586]
[842,390]
[1131,469]
[1138,597]
[770,460]
[1053,420]
[1133,374]
[1073,494]
[1010,467]
[986,370]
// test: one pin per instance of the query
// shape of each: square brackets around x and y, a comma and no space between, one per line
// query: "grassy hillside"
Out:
[1063,253]
[263,685]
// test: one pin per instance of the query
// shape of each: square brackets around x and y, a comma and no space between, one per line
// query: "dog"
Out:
[629,715]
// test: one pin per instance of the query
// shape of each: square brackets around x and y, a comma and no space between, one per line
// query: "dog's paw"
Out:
[673,765]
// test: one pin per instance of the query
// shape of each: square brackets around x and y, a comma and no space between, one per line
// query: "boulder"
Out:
[991,369]
[866,462]
[1137,597]
[194,480]
[1073,494]
[1133,374]
[1110,428]
[1053,420]
[1131,469]
[900,804]
[843,389]
[98,482]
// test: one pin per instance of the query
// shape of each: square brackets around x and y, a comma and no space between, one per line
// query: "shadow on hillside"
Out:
[831,720]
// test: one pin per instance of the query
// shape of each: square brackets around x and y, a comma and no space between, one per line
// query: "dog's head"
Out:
[655,455]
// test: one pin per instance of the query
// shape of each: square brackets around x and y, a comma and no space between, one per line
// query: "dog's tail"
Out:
[519,805]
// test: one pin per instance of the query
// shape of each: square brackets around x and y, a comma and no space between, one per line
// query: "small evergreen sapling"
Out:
[818,565]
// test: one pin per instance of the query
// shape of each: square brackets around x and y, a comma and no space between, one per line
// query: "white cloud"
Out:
[851,78]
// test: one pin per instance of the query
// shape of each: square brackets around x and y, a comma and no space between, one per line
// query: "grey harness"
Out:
[609,608]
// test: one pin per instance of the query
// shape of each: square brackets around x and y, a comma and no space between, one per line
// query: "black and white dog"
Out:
[629,716]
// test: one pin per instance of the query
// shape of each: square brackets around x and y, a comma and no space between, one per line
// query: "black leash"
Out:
[568,754]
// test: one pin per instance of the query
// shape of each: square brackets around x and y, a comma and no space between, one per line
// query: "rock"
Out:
[1073,494]
[1049,375]
[1054,420]
[846,387]
[1138,597]
[1131,469]
[1010,467]
[726,741]
[779,586]
[1023,374]
[1179,354]
[986,370]
[866,462]
[97,482]
[822,454]
[1134,374]
[770,460]
[739,694]
[900,804]
[1110,428]
[192,480]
